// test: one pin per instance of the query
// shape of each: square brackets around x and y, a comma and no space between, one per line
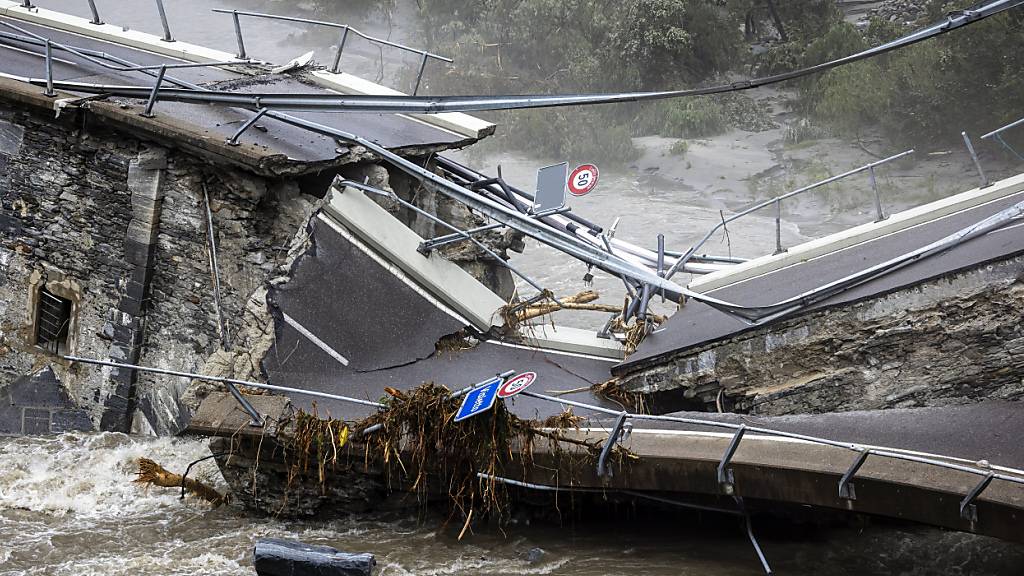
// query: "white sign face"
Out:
[516,384]
[583,179]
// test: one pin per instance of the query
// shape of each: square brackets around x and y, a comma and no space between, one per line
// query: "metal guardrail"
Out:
[345,30]
[777,202]
[167,37]
[998,135]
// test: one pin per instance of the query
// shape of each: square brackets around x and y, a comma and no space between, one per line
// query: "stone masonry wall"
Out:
[118,226]
[952,340]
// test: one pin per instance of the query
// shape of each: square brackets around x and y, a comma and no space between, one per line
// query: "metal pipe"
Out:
[49,70]
[238,34]
[163,20]
[233,140]
[462,233]
[95,13]
[689,253]
[419,75]
[335,25]
[613,437]
[434,243]
[878,199]
[974,157]
[778,226]
[148,112]
[222,380]
[336,66]
[215,270]
[1004,128]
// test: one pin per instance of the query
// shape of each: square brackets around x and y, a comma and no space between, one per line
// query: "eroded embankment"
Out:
[951,340]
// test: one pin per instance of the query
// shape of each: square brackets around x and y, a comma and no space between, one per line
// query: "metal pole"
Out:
[26,4]
[336,67]
[163,20]
[974,157]
[233,140]
[419,75]
[778,226]
[225,381]
[95,13]
[215,270]
[49,70]
[148,113]
[878,199]
[238,35]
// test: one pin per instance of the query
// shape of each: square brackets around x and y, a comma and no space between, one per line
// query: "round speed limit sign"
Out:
[583,179]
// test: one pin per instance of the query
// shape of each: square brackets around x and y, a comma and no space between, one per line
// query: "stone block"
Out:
[41,390]
[10,417]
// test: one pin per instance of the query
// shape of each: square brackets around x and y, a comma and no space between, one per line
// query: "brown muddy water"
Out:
[68,507]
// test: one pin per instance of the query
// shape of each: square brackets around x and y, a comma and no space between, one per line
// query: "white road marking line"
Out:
[312,338]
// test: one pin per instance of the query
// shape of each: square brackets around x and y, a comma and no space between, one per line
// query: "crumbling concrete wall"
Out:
[951,340]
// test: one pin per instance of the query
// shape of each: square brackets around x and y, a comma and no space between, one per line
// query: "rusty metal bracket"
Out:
[726,479]
[603,471]
[846,487]
[968,511]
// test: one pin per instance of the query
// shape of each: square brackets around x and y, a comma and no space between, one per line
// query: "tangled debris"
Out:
[416,445]
[631,332]
[152,473]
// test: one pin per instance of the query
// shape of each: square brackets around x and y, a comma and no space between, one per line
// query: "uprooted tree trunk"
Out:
[152,473]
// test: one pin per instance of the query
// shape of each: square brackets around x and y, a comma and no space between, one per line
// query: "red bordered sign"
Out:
[516,384]
[583,179]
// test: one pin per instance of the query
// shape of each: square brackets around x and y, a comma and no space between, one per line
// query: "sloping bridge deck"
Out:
[390,130]
[697,324]
[677,460]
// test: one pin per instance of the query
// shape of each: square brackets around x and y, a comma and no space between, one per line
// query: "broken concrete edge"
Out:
[683,464]
[115,34]
[449,286]
[630,368]
[858,235]
[352,213]
[219,414]
[457,122]
[167,130]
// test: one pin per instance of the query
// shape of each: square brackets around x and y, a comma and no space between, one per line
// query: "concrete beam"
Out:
[858,235]
[115,34]
[457,122]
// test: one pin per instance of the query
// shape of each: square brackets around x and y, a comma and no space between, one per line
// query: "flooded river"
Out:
[68,506]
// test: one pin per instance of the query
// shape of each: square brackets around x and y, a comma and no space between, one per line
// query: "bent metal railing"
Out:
[345,30]
[777,202]
[724,474]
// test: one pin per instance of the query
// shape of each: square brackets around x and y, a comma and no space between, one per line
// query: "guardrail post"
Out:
[238,35]
[419,75]
[974,157]
[95,13]
[148,113]
[846,488]
[163,20]
[726,479]
[336,66]
[778,227]
[613,437]
[968,511]
[26,4]
[233,140]
[49,70]
[878,199]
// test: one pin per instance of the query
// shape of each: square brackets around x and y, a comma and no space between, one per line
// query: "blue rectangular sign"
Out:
[479,399]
